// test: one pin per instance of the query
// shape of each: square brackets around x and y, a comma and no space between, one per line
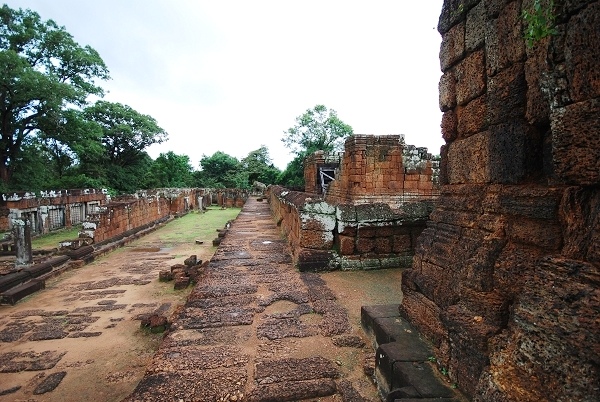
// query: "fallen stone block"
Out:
[165,276]
[181,282]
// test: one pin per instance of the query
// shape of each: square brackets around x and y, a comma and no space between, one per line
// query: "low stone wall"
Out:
[135,211]
[50,210]
[344,236]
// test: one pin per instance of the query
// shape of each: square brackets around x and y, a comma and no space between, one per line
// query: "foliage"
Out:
[317,129]
[221,171]
[259,166]
[540,22]
[293,175]
[43,72]
[170,170]
[126,133]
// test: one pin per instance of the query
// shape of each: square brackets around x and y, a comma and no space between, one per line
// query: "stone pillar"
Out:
[21,230]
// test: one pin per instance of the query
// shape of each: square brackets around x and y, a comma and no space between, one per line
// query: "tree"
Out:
[317,129]
[126,133]
[293,175]
[259,166]
[221,171]
[43,72]
[170,170]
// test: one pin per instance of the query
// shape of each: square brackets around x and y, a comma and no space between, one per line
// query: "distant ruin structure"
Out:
[362,209]
[506,277]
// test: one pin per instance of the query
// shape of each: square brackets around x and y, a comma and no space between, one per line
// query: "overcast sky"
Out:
[233,75]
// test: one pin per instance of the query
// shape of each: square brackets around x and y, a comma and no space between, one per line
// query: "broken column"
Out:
[21,230]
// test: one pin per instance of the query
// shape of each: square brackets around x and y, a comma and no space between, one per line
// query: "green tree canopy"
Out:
[259,166]
[221,170]
[126,133]
[170,170]
[317,129]
[43,72]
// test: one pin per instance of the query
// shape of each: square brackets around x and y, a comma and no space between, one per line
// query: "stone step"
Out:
[405,367]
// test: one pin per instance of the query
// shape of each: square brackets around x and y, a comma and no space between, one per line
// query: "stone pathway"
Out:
[256,329]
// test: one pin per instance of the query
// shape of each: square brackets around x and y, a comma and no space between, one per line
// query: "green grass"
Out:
[198,226]
[190,227]
[51,240]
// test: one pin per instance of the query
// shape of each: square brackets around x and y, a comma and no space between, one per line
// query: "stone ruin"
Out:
[362,209]
[505,280]
[106,223]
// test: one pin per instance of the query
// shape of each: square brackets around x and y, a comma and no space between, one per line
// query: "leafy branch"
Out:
[540,22]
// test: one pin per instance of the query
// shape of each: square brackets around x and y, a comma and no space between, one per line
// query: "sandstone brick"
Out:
[575,137]
[316,239]
[447,91]
[581,44]
[346,245]
[506,95]
[470,77]
[453,11]
[468,160]
[364,245]
[504,42]
[475,27]
[471,118]
[537,109]
[453,46]
[508,152]
[383,245]
[401,243]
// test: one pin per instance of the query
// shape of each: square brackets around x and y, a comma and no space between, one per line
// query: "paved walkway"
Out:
[256,329]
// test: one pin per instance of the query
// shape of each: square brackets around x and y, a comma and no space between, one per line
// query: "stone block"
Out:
[580,214]
[181,282]
[470,77]
[537,109]
[453,11]
[383,245]
[471,118]
[536,232]
[314,221]
[504,44]
[309,260]
[468,160]
[506,96]
[365,245]
[475,27]
[423,314]
[449,126]
[447,91]
[576,142]
[346,245]
[452,48]
[316,239]
[582,42]
[508,152]
[401,243]
[423,378]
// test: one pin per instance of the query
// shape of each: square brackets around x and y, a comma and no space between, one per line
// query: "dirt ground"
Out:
[83,331]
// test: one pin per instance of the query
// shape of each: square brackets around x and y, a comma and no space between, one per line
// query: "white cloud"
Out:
[233,75]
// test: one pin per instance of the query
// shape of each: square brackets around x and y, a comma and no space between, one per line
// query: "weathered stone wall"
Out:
[131,212]
[381,169]
[50,210]
[231,197]
[505,279]
[345,236]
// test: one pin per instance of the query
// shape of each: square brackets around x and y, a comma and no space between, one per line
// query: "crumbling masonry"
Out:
[505,280]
